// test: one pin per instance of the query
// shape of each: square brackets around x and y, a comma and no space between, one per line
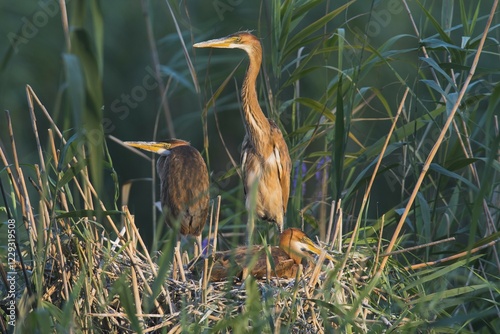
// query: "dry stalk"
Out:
[453,257]
[152,266]
[330,224]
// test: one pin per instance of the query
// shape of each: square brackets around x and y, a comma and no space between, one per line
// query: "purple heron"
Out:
[294,247]
[265,160]
[184,185]
[298,246]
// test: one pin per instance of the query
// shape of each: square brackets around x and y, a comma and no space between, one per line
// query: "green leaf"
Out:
[304,34]
[69,173]
[339,143]
[451,294]
[317,107]
[364,175]
[431,274]
[400,133]
[98,33]
[441,170]
[425,215]
[432,63]
[76,86]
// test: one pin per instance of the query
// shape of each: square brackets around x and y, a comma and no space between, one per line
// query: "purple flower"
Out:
[303,171]
[319,172]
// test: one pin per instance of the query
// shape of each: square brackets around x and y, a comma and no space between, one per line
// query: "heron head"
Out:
[157,147]
[298,246]
[240,40]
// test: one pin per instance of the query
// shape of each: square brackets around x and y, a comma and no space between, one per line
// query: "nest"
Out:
[113,282]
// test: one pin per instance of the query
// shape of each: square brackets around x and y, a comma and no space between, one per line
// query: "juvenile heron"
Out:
[265,160]
[298,246]
[294,247]
[184,185]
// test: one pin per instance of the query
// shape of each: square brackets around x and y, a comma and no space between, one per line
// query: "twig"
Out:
[453,257]
[330,223]
[216,230]
[409,249]
[317,269]
[35,129]
[133,269]
[151,265]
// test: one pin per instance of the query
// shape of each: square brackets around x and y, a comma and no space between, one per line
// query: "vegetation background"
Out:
[127,70]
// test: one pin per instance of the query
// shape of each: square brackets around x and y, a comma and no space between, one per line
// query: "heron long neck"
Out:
[257,125]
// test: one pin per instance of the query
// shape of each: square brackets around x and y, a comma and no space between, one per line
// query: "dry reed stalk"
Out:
[453,257]
[336,241]
[134,269]
[151,266]
[317,270]
[65,24]
[208,273]
[339,225]
[210,222]
[330,224]
[216,230]
[23,191]
[177,253]
[409,249]
[204,282]
[317,325]
[32,95]
[12,178]
[35,131]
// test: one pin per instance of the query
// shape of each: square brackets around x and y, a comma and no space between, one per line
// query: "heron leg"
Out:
[199,248]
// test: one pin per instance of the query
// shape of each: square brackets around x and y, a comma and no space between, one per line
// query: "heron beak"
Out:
[229,42]
[152,146]
[280,227]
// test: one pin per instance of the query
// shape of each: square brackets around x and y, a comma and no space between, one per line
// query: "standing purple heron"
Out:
[265,160]
[184,185]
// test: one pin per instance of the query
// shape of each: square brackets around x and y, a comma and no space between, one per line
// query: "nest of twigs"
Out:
[113,282]
[105,269]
